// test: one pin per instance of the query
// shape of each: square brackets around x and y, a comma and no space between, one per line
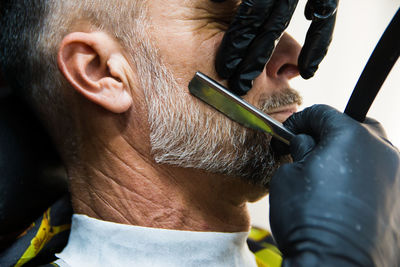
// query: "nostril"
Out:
[288,71]
[283,62]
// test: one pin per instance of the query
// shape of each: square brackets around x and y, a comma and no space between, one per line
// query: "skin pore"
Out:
[119,177]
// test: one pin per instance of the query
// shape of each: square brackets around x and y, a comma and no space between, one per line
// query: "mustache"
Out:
[284,97]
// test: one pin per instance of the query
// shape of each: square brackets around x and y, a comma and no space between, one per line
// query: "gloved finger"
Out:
[320,9]
[246,24]
[260,50]
[300,146]
[374,126]
[287,179]
[317,121]
[279,148]
[318,39]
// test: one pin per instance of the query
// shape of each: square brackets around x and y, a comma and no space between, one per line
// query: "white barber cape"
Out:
[94,242]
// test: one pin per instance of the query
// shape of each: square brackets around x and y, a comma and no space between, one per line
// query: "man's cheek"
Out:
[207,52]
[189,57]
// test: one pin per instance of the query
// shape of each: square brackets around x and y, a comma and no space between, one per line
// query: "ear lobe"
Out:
[91,62]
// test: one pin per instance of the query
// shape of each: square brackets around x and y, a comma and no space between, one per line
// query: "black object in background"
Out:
[382,60]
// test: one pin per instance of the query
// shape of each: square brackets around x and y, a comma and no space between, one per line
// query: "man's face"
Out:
[184,37]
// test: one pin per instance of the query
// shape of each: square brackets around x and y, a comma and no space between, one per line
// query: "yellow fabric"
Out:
[44,235]
[258,234]
[269,255]
[268,258]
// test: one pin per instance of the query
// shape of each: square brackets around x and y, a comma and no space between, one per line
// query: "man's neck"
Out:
[126,186]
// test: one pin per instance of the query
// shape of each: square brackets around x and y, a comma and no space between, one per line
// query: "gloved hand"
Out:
[338,203]
[250,39]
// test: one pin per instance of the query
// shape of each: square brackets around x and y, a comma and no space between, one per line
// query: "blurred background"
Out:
[359,25]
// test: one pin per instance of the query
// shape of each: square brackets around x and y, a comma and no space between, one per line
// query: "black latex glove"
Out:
[250,39]
[337,204]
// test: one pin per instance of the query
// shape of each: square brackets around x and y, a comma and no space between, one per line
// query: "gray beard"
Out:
[185,133]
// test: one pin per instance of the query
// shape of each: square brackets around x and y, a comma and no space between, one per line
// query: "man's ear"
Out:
[94,65]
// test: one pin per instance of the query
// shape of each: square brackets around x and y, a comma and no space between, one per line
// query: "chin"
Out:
[256,195]
[262,179]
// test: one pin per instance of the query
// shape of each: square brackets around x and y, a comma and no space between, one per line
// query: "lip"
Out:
[282,113]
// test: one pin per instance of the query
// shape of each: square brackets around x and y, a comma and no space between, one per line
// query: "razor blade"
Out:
[235,108]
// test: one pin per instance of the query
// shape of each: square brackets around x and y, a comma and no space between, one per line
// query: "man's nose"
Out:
[283,62]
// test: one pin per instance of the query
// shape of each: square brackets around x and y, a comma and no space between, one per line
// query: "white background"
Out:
[359,25]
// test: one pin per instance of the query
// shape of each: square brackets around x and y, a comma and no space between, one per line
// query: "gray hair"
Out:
[31,33]
[185,133]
